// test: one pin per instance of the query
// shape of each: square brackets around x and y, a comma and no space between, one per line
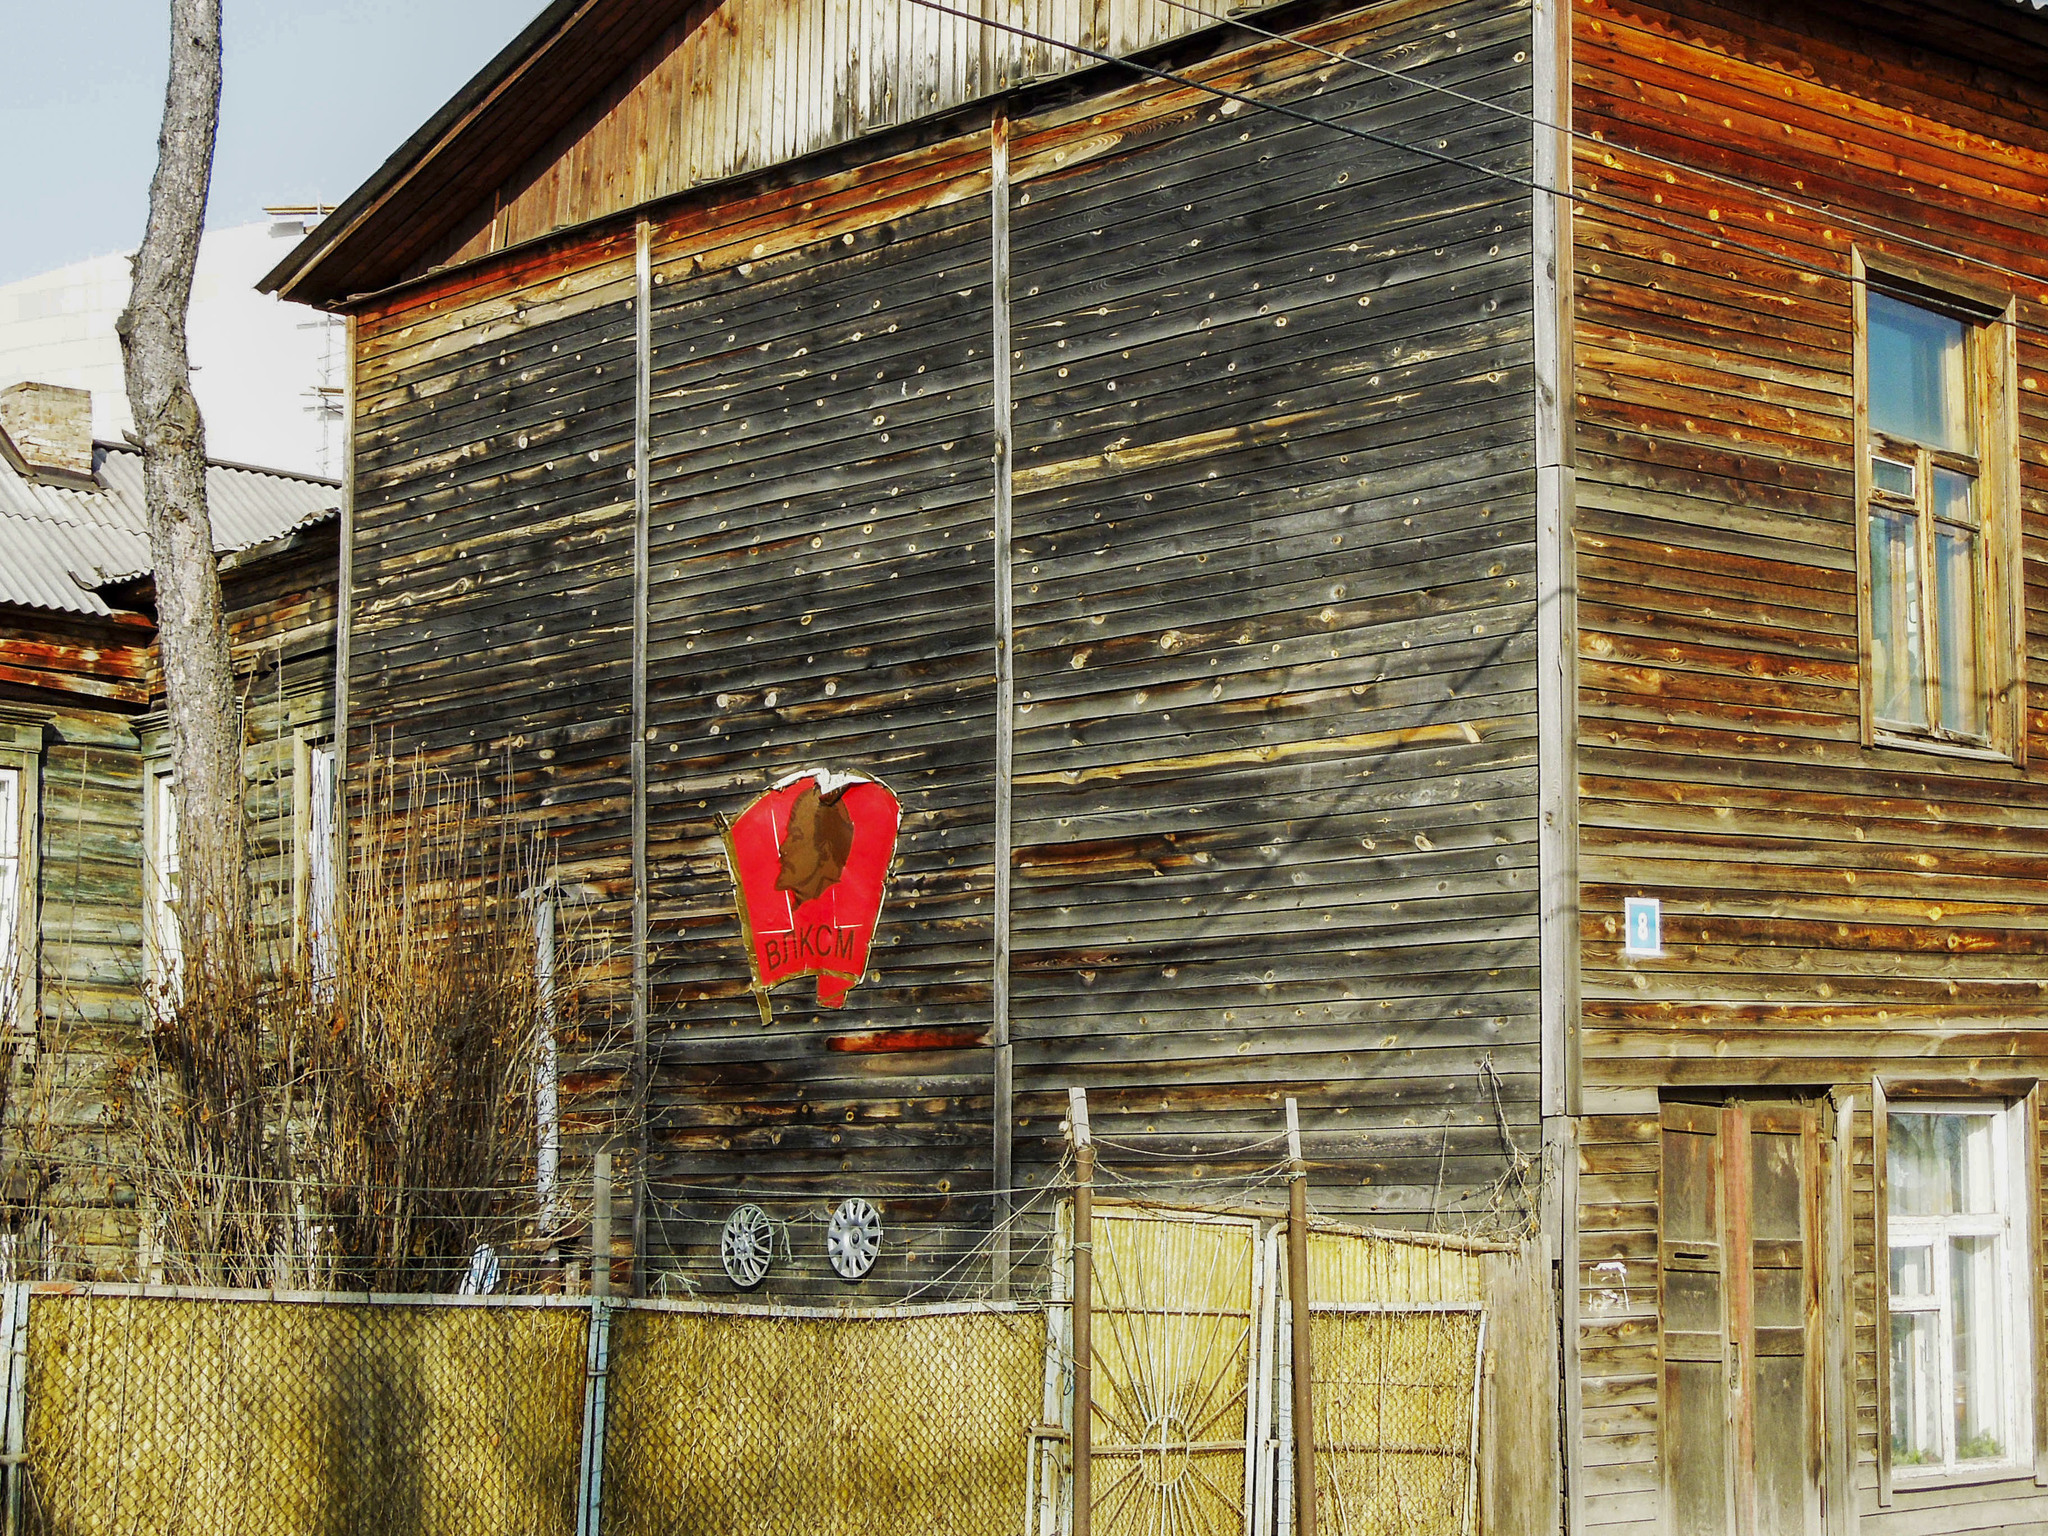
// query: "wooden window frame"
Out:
[21,754]
[157,776]
[2000,621]
[2024,1097]
[306,745]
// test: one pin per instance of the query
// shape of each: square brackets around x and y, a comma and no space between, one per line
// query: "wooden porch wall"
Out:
[91,976]
[281,619]
[1830,911]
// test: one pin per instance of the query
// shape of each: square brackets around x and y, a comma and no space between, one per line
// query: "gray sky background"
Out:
[316,94]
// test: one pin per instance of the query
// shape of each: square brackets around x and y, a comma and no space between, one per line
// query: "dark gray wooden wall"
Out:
[1275,757]
[491,593]
[1276,660]
[822,593]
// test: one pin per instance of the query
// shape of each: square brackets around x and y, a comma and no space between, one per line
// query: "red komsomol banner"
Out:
[809,862]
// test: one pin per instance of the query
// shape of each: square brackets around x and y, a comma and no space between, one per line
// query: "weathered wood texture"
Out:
[1830,910]
[822,595]
[747,84]
[1276,622]
[491,613]
[281,620]
[1275,729]
[73,1110]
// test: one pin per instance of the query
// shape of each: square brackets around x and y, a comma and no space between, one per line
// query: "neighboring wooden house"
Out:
[1309,525]
[85,784]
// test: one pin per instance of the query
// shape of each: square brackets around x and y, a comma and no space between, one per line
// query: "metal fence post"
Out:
[1297,1297]
[14,1319]
[1084,1302]
[597,1364]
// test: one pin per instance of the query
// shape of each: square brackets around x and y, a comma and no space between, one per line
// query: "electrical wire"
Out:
[1641,212]
[1734,183]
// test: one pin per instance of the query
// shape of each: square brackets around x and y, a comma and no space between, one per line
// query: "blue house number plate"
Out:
[1644,918]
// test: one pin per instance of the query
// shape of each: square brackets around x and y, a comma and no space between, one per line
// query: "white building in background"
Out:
[268,374]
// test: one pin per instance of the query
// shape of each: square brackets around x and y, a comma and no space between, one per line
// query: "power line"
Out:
[1734,182]
[1626,207]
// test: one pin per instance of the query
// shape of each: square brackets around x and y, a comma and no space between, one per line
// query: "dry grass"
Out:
[356,1111]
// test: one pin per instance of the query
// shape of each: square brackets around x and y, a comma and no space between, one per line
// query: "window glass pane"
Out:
[1955,575]
[1913,1271]
[1919,376]
[1891,475]
[1980,1400]
[10,886]
[1896,668]
[1916,1391]
[1940,1164]
[320,864]
[1955,496]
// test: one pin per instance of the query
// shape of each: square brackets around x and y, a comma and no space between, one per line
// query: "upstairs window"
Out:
[1936,468]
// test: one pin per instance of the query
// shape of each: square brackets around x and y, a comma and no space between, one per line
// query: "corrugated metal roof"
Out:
[57,544]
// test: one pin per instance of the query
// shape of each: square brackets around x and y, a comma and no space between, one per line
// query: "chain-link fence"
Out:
[136,1411]
[248,1417]
[244,1415]
[824,1423]
[1397,1417]
[1397,1330]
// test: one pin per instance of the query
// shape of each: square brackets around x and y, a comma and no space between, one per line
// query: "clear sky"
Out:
[316,94]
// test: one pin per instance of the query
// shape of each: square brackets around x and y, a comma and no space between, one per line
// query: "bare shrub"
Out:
[357,1110]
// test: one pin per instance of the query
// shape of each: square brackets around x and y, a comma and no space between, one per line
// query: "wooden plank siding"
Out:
[90,987]
[1275,747]
[1274,732]
[1271,389]
[1831,911]
[491,591]
[822,594]
[738,87]
[91,759]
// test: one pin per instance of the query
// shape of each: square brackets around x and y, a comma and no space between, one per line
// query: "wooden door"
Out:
[1739,1411]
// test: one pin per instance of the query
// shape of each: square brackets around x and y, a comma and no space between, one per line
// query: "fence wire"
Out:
[247,1418]
[819,1424]
[1396,1335]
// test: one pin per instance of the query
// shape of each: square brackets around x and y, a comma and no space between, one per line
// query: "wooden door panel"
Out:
[1738,1289]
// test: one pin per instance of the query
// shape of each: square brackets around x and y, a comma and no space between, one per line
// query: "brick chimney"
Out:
[49,430]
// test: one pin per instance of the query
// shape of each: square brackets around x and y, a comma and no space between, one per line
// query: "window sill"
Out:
[1928,744]
[1967,1477]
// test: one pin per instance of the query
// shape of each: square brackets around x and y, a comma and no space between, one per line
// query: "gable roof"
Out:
[62,542]
[577,119]
[512,109]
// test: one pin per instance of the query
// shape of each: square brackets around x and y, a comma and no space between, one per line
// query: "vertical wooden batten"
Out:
[1838,1344]
[642,408]
[1083,1442]
[1003,1088]
[1880,1243]
[2030,1111]
[1556,620]
[1557,702]
[344,563]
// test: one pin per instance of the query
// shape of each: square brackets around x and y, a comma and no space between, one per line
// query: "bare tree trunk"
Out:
[198,673]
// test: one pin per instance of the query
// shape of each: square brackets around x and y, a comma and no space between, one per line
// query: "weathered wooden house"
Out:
[87,835]
[1461,561]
